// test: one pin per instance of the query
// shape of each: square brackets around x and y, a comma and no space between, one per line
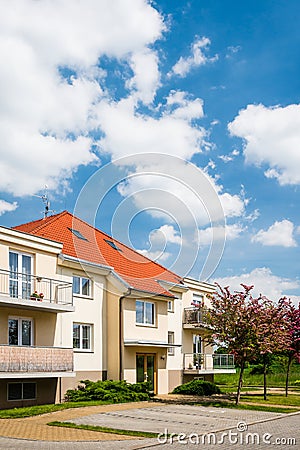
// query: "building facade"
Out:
[75,304]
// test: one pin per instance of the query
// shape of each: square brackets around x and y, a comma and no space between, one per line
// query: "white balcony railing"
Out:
[16,285]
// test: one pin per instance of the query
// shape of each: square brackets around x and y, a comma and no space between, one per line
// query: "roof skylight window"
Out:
[78,234]
[112,244]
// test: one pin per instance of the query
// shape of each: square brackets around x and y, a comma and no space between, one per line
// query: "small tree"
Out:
[293,347]
[234,318]
[272,332]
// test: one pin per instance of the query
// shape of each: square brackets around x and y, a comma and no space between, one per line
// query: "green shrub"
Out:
[110,391]
[197,387]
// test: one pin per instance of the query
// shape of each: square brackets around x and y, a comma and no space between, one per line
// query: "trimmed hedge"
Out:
[197,387]
[110,391]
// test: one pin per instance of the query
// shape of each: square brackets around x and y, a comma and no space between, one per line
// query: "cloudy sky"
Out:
[172,125]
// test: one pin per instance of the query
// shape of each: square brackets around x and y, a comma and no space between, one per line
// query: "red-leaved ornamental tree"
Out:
[234,318]
[293,348]
[272,331]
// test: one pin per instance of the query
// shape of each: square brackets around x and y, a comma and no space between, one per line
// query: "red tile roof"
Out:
[135,269]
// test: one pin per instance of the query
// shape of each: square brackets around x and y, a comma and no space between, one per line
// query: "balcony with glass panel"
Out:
[203,363]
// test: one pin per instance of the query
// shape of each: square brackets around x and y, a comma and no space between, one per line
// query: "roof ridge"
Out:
[43,224]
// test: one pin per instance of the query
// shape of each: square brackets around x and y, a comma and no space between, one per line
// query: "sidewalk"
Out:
[36,428]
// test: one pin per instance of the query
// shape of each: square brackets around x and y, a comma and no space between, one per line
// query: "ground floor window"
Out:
[21,391]
[20,331]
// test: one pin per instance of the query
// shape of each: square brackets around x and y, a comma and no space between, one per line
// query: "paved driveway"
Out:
[202,427]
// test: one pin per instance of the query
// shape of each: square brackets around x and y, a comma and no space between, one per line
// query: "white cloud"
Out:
[139,134]
[197,58]
[40,109]
[231,232]
[280,233]
[146,78]
[272,137]
[7,207]
[158,241]
[166,234]
[265,283]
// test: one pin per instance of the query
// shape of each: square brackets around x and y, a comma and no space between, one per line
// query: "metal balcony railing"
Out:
[32,287]
[203,361]
[14,358]
[195,315]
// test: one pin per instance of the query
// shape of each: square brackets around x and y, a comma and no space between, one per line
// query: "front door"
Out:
[146,370]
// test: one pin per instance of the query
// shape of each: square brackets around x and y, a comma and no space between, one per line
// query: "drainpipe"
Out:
[121,346]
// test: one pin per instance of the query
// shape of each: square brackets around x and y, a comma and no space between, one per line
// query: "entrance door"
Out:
[146,370]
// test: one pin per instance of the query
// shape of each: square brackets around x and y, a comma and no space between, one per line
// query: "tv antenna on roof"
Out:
[46,202]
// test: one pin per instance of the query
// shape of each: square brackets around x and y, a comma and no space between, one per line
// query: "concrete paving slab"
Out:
[175,418]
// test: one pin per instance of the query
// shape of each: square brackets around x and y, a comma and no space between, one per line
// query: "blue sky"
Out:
[174,126]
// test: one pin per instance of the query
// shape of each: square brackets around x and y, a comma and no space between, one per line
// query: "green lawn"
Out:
[273,399]
[273,379]
[44,409]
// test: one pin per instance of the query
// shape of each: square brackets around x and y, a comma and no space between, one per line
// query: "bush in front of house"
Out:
[108,391]
[197,387]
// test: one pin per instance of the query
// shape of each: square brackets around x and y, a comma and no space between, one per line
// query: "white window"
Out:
[170,306]
[20,271]
[145,312]
[198,300]
[20,331]
[82,336]
[21,391]
[171,350]
[82,286]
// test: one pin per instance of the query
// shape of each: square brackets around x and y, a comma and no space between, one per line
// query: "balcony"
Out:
[197,363]
[195,318]
[35,292]
[29,362]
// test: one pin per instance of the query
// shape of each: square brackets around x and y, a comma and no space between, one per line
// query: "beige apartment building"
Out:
[75,304]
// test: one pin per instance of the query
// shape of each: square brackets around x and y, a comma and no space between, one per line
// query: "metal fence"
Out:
[33,287]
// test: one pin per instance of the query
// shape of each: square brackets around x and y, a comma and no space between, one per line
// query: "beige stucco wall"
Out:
[87,311]
[113,332]
[158,332]
[44,324]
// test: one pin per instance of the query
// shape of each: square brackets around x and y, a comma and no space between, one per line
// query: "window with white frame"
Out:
[20,274]
[21,391]
[198,300]
[144,312]
[171,340]
[82,286]
[170,305]
[82,336]
[20,331]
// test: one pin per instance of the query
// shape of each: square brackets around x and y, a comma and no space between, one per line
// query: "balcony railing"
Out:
[31,287]
[202,361]
[15,358]
[193,316]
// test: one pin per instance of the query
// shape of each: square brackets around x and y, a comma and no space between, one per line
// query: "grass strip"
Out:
[265,408]
[144,434]
[29,411]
